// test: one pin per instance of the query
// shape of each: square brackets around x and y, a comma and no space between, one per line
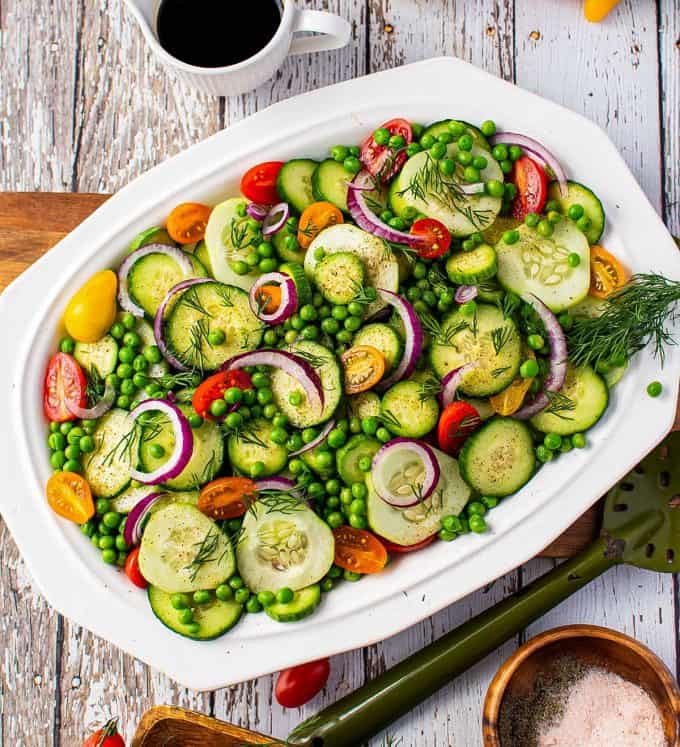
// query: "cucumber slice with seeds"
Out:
[302,605]
[348,457]
[229,240]
[579,194]
[339,277]
[294,183]
[407,412]
[101,355]
[470,268]
[383,338]
[329,183]
[364,405]
[253,444]
[107,468]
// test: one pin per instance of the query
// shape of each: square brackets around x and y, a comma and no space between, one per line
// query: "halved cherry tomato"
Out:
[215,386]
[436,238]
[314,219]
[511,398]
[227,497]
[532,187]
[64,385]
[132,570]
[358,550]
[456,423]
[401,549]
[607,274]
[298,685]
[259,183]
[106,737]
[382,161]
[186,224]
[69,495]
[363,368]
[269,298]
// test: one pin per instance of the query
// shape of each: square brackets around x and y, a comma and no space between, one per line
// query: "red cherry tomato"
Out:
[400,549]
[132,569]
[456,423]
[532,187]
[298,685]
[382,161]
[435,236]
[65,384]
[106,737]
[259,183]
[215,386]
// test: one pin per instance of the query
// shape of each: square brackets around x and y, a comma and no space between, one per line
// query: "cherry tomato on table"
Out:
[298,685]
[382,161]
[132,569]
[607,274]
[532,187]
[64,385]
[186,224]
[106,737]
[393,547]
[358,551]
[69,495]
[435,238]
[227,497]
[215,386]
[314,219]
[456,423]
[259,183]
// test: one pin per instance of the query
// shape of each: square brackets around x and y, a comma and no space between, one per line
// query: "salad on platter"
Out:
[355,357]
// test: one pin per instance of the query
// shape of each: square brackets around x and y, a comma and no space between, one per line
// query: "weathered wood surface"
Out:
[84,107]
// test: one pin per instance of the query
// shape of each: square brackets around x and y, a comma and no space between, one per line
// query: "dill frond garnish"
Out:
[429,388]
[362,294]
[441,335]
[180,379]
[500,336]
[560,404]
[95,386]
[389,420]
[315,361]
[145,428]
[282,501]
[206,552]
[193,353]
[239,234]
[499,371]
[190,298]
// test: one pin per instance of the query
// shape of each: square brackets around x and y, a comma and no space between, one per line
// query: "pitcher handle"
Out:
[333,31]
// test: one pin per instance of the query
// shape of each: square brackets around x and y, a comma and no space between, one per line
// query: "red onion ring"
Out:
[289,297]
[557,372]
[275,219]
[124,298]
[429,460]
[275,483]
[134,523]
[413,345]
[465,293]
[535,149]
[160,313]
[102,407]
[257,212]
[184,442]
[312,444]
[453,380]
[289,363]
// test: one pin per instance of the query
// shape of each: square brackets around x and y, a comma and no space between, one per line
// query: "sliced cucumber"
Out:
[253,444]
[584,398]
[489,339]
[107,468]
[296,271]
[124,502]
[285,253]
[312,460]
[146,333]
[183,550]
[294,183]
[411,525]
[438,128]
[329,183]
[214,619]
[327,368]
[206,457]
[348,457]
[101,355]
[589,308]
[339,277]
[384,338]
[302,605]
[462,214]
[493,234]
[289,547]
[489,291]
[471,268]
[229,240]
[210,307]
[382,268]
[364,405]
[407,412]
[578,194]
[540,265]
[154,235]
[202,254]
[498,459]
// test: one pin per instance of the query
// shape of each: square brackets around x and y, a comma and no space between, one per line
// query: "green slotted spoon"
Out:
[641,527]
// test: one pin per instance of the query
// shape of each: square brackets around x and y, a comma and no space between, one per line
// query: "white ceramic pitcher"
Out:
[332,32]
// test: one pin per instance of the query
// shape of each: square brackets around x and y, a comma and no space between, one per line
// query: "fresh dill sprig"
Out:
[442,335]
[146,428]
[206,552]
[190,298]
[390,420]
[239,234]
[468,423]
[198,334]
[429,388]
[180,379]
[559,404]
[282,501]
[500,336]
[245,434]
[224,292]
[315,361]
[362,294]
[409,253]
[511,302]
[95,386]
[499,371]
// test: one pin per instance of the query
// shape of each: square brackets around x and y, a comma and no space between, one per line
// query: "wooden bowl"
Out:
[592,646]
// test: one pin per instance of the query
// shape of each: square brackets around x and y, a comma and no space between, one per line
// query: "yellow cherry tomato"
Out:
[69,495]
[511,398]
[92,310]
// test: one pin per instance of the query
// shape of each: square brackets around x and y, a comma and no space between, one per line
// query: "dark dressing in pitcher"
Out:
[216,33]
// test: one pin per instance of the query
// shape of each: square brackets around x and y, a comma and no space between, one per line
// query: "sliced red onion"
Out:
[257,212]
[472,189]
[184,442]
[413,345]
[289,363]
[289,297]
[160,313]
[177,255]
[535,149]
[557,372]
[312,444]
[399,450]
[275,219]
[466,293]
[453,380]
[92,413]
[134,524]
[275,483]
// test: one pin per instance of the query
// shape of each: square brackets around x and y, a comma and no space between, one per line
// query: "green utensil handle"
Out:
[371,708]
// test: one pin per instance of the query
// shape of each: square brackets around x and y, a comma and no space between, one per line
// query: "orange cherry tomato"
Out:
[227,497]
[132,570]
[69,495]
[435,236]
[363,366]
[259,183]
[358,550]
[607,274]
[314,219]
[187,222]
[511,398]
[269,298]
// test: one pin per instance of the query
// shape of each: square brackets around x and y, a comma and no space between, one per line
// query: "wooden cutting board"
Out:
[33,222]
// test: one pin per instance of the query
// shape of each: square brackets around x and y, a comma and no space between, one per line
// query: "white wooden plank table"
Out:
[85,107]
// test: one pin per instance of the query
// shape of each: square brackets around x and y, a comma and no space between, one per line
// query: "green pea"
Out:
[465,142]
[351,576]
[447,166]
[427,141]
[102,506]
[339,153]
[218,407]
[257,470]
[584,223]
[494,188]
[535,342]
[543,453]
[532,220]
[382,136]
[352,164]
[468,245]
[224,593]
[500,152]
[576,211]
[340,313]
[464,158]
[336,438]
[125,371]
[295,398]
[74,435]
[552,441]
[128,387]
[216,337]
[468,308]
[545,228]
[109,556]
[325,459]
[357,521]
[506,166]
[511,237]
[56,441]
[515,152]
[566,320]
[477,524]
[554,217]
[446,536]
[285,595]
[480,163]
[117,331]
[383,435]
[451,524]
[152,354]
[509,191]
[88,528]
[396,141]
[327,584]
[121,544]
[359,490]
[352,323]
[129,321]
[654,389]
[475,508]
[111,519]
[438,151]
[126,355]
[574,260]
[412,149]
[471,174]
[180,601]
[106,543]
[528,369]
[202,596]
[358,506]
[186,616]
[58,460]
[72,451]
[489,501]
[94,540]
[72,465]
[488,128]
[335,519]
[67,345]
[370,425]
